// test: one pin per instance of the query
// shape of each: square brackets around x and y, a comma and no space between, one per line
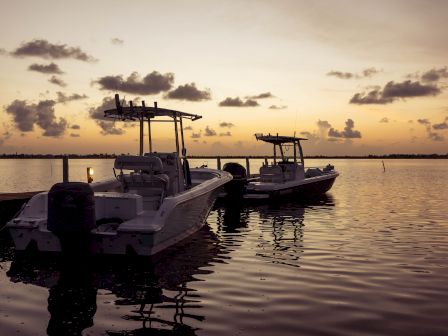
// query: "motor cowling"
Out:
[71,208]
[237,170]
[236,186]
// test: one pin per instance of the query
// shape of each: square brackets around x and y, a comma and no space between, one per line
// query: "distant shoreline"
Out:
[112,156]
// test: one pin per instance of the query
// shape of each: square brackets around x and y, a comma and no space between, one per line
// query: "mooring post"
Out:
[65,168]
[218,162]
[247,167]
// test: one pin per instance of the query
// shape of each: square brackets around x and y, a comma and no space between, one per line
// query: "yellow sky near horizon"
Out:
[311,57]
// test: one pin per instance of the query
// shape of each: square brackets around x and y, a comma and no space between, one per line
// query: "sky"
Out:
[354,77]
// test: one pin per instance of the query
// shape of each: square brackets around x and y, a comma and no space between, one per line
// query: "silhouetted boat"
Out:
[154,201]
[285,177]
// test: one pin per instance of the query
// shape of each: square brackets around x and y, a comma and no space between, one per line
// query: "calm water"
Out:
[370,258]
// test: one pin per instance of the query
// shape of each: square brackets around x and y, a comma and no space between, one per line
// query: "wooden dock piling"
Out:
[65,168]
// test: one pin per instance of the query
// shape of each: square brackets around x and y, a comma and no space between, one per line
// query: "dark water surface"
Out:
[370,258]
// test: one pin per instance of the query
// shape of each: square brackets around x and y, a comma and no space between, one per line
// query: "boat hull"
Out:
[178,217]
[302,189]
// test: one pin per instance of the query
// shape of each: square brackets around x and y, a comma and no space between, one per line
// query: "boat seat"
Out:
[153,188]
[150,164]
[272,174]
[289,170]
[173,168]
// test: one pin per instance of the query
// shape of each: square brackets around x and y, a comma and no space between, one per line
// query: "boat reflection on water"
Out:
[159,294]
[159,284]
[281,225]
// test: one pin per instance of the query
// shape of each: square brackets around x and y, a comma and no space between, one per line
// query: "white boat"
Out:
[286,177]
[154,201]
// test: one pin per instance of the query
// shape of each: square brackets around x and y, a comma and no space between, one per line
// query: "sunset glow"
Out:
[355,78]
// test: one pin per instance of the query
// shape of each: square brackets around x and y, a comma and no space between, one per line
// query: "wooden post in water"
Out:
[65,168]
[247,167]
[141,130]
[218,163]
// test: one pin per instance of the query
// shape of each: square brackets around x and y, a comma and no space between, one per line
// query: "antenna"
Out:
[295,123]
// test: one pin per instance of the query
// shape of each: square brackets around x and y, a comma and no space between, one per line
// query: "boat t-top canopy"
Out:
[280,141]
[277,139]
[149,114]
[135,113]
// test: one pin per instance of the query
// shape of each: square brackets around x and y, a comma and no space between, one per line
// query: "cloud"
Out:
[341,75]
[209,131]
[366,73]
[109,128]
[188,128]
[238,102]
[196,135]
[435,75]
[435,137]
[307,134]
[5,136]
[75,127]
[24,115]
[97,113]
[51,68]
[275,107]
[74,135]
[63,98]
[333,139]
[347,133]
[106,124]
[261,96]
[408,89]
[226,124]
[393,91]
[42,114]
[372,97]
[369,72]
[228,133]
[424,121]
[384,120]
[117,41]
[47,50]
[442,126]
[46,119]
[152,83]
[323,127]
[429,133]
[310,136]
[323,124]
[57,81]
[189,92]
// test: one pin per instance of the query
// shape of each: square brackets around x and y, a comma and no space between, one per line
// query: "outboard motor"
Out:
[71,215]
[328,168]
[236,186]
